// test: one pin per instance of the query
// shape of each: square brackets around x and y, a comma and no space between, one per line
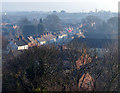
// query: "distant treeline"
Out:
[94,43]
[30,30]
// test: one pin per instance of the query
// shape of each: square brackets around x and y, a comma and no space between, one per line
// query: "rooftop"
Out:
[21,43]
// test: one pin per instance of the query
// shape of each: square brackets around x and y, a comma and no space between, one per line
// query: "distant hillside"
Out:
[65,17]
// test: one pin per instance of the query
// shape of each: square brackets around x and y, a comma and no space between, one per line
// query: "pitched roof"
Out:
[21,43]
[41,39]
[27,40]
[48,37]
[62,33]
[31,39]
[51,36]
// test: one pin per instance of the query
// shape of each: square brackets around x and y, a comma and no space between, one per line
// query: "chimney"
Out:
[11,39]
[19,38]
[22,37]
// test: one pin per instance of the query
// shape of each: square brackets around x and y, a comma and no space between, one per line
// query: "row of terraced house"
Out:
[22,43]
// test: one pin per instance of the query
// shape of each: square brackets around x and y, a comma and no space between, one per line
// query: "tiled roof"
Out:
[41,39]
[31,38]
[21,43]
[27,40]
[48,37]
[62,32]
[51,36]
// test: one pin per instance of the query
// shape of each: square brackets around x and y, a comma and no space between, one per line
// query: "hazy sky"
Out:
[58,5]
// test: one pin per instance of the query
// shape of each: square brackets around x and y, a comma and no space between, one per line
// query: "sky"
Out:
[58,5]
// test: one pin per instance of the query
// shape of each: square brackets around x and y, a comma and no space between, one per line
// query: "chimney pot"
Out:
[19,38]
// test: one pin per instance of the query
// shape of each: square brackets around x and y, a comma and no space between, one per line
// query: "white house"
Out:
[22,45]
[41,41]
[52,38]
[49,38]
[62,35]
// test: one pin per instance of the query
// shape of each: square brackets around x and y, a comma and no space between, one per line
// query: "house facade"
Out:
[41,41]
[22,45]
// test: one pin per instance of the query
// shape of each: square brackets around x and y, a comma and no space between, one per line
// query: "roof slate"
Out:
[21,43]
